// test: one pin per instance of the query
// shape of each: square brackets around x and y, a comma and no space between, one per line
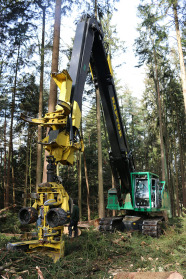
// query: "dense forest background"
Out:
[155,125]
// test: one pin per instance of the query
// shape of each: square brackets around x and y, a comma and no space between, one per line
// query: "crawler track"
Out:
[152,227]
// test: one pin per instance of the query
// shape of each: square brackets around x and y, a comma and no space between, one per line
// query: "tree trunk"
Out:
[172,179]
[79,186]
[167,145]
[4,169]
[160,117]
[113,211]
[172,188]
[181,58]
[1,157]
[13,182]
[101,207]
[95,9]
[167,167]
[26,168]
[133,137]
[176,178]
[39,146]
[55,57]
[30,166]
[182,167]
[54,69]
[87,184]
[11,131]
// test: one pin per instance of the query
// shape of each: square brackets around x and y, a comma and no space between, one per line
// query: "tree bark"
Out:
[87,184]
[167,167]
[176,178]
[54,69]
[39,146]
[26,168]
[160,117]
[30,165]
[95,9]
[182,166]
[4,168]
[172,188]
[55,57]
[7,190]
[113,186]
[180,51]
[1,157]
[172,179]
[79,186]
[101,207]
[13,183]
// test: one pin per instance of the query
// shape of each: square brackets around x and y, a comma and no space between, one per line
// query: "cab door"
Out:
[158,195]
[153,192]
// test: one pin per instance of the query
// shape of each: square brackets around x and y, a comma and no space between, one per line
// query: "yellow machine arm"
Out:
[58,142]
[52,206]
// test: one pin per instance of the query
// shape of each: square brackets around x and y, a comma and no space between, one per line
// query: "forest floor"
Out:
[98,255]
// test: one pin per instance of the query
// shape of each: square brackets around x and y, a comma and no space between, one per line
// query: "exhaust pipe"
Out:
[28,215]
[57,217]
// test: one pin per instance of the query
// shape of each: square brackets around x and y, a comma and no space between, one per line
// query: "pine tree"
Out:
[174,7]
[150,46]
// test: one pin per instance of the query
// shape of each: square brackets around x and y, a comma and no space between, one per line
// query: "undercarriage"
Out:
[148,226]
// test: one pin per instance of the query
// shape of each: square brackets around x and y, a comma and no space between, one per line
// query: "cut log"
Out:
[147,275]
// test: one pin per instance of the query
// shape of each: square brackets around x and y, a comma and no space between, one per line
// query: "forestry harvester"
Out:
[141,195]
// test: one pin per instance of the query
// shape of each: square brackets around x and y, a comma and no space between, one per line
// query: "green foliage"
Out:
[10,224]
[162,82]
[4,239]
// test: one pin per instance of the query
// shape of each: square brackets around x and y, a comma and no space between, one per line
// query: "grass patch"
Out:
[97,255]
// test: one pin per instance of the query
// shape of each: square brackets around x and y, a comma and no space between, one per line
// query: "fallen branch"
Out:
[47,271]
[5,266]
[40,274]
[37,257]
[8,207]
[9,264]
[22,272]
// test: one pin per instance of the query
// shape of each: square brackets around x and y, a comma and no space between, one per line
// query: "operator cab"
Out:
[147,190]
[141,192]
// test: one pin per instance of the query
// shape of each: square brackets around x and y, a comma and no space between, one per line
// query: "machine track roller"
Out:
[111,224]
[152,227]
